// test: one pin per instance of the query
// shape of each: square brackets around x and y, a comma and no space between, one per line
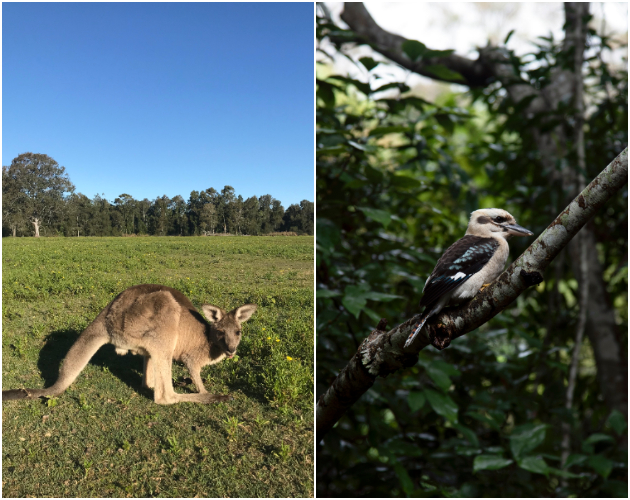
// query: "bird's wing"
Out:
[462,259]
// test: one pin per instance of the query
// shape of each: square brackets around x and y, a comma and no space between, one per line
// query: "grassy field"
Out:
[105,437]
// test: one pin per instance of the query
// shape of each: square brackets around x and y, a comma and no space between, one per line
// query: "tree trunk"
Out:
[35,223]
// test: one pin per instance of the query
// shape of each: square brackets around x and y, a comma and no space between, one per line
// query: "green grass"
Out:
[105,436]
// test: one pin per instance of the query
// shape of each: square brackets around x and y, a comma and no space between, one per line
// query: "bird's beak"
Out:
[516,230]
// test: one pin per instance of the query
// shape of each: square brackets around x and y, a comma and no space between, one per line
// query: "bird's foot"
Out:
[485,285]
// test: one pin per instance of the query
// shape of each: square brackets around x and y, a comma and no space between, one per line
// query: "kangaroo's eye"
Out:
[238,333]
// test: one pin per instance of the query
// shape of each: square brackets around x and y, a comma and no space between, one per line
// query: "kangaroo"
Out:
[161,324]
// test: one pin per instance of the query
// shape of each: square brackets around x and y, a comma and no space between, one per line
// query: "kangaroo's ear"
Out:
[213,314]
[245,312]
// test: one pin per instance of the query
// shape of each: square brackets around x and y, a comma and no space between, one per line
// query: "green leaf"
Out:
[469,434]
[507,38]
[447,368]
[326,294]
[404,181]
[486,419]
[394,85]
[373,315]
[382,297]
[328,236]
[325,93]
[358,146]
[602,465]
[443,73]
[414,49]
[401,448]
[416,400]
[368,62]
[377,215]
[360,86]
[442,404]
[617,421]
[354,300]
[445,122]
[490,462]
[562,473]
[534,464]
[575,459]
[403,476]
[526,438]
[588,443]
[393,129]
[438,376]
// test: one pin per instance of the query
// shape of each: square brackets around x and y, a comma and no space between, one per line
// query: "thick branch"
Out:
[493,62]
[474,73]
[382,352]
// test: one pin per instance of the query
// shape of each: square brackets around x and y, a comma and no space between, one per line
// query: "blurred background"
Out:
[426,112]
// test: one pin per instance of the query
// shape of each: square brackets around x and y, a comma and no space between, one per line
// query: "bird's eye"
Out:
[499,219]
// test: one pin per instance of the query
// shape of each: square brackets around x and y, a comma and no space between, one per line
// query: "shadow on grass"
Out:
[252,392]
[127,368]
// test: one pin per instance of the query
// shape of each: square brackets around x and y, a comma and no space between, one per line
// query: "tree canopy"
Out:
[397,177]
[35,189]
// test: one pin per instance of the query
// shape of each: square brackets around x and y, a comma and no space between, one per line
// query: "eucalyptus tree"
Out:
[38,186]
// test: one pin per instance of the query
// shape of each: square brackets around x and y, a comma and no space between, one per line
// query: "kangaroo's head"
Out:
[226,327]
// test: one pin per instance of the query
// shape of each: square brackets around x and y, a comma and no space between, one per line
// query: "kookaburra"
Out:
[470,263]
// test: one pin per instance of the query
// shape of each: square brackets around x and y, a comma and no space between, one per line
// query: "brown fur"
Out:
[161,324]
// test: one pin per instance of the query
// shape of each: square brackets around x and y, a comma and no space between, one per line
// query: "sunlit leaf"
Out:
[490,462]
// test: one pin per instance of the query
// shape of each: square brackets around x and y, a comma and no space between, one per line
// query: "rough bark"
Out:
[576,39]
[382,352]
[493,64]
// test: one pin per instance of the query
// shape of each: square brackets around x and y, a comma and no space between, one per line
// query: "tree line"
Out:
[38,198]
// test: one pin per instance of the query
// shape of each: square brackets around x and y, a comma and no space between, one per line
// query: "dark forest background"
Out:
[38,198]
[533,403]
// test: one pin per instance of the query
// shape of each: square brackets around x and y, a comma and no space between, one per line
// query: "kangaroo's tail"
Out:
[92,338]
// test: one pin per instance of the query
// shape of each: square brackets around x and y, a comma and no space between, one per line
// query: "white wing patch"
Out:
[459,276]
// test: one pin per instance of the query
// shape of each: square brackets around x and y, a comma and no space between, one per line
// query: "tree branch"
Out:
[474,73]
[382,353]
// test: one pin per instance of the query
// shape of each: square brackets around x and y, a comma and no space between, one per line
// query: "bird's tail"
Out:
[416,329]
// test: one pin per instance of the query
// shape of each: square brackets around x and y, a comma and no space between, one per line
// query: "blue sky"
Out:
[163,98]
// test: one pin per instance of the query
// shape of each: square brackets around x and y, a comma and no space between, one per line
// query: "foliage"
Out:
[396,179]
[33,190]
[34,186]
[105,436]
